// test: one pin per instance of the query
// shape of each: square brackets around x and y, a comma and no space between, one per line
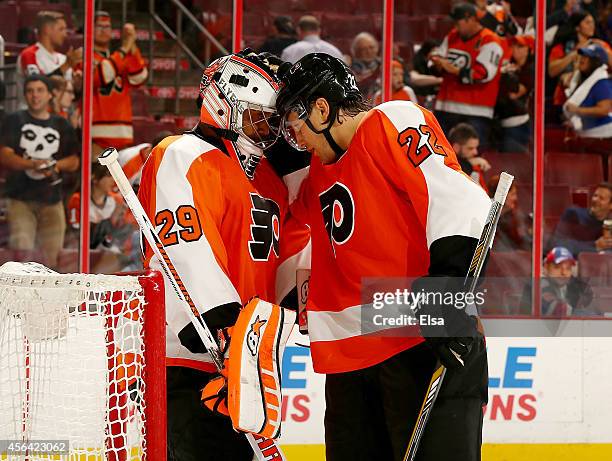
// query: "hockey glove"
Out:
[216,319]
[451,340]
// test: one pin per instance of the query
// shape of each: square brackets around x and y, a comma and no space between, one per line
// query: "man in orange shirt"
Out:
[114,75]
[385,198]
[469,59]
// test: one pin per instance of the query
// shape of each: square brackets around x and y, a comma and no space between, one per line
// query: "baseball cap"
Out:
[462,11]
[559,254]
[594,50]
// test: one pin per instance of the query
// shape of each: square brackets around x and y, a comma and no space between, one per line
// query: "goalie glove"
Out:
[216,319]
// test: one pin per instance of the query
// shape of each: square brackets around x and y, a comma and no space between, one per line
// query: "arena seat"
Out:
[573,169]
[254,24]
[596,268]
[146,129]
[8,29]
[408,28]
[556,198]
[609,168]
[437,7]
[139,102]
[602,300]
[555,140]
[506,273]
[518,165]
[7,254]
[336,25]
[439,26]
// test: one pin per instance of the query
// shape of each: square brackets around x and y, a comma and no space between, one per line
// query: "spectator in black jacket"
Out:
[285,35]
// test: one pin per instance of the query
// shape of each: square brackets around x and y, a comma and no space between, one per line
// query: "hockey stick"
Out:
[265,449]
[482,248]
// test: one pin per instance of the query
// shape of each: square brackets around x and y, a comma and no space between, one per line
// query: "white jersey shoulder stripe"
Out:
[456,205]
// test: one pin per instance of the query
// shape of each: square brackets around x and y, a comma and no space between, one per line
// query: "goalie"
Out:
[221,212]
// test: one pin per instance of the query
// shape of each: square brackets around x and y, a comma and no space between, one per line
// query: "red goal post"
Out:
[82,360]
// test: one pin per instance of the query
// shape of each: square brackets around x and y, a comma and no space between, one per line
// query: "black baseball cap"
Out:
[463,11]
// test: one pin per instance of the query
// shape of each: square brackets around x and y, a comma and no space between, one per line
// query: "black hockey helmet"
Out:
[315,75]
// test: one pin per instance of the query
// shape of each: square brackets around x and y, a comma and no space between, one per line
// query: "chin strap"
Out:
[325,131]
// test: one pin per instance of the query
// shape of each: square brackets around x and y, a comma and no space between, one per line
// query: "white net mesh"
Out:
[71,365]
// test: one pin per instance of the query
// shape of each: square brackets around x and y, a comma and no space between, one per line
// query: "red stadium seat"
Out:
[28,10]
[573,169]
[7,254]
[139,102]
[146,129]
[409,29]
[596,268]
[556,199]
[506,276]
[439,26]
[425,8]
[555,140]
[8,28]
[609,167]
[254,24]
[336,25]
[602,300]
[518,165]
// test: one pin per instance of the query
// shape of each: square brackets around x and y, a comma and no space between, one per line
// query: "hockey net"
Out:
[81,365]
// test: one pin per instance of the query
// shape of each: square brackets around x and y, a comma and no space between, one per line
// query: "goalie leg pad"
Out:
[254,379]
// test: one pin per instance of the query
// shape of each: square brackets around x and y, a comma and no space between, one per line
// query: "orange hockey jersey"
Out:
[474,91]
[114,75]
[375,213]
[222,232]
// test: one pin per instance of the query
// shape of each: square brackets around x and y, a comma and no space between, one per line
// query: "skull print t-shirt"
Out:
[51,139]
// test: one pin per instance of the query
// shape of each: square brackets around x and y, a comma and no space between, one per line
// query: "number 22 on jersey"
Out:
[417,153]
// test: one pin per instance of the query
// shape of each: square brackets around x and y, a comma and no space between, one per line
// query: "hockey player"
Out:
[221,213]
[385,197]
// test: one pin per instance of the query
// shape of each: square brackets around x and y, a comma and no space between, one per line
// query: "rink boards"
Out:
[550,394]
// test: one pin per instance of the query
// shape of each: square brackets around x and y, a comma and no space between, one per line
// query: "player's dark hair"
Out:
[47,17]
[462,133]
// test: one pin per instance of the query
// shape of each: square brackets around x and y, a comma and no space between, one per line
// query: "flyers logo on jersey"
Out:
[265,230]
[338,208]
[459,58]
[254,335]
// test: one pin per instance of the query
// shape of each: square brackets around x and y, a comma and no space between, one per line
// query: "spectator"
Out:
[38,147]
[365,62]
[400,91]
[422,76]
[285,36]
[132,158]
[114,76]
[516,86]
[577,33]
[563,294]
[562,15]
[514,225]
[43,57]
[62,103]
[469,59]
[581,229]
[464,139]
[309,32]
[497,17]
[109,228]
[590,102]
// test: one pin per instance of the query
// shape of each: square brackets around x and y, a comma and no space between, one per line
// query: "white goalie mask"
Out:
[238,94]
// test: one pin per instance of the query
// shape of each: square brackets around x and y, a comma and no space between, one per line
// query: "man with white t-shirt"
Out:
[309,29]
[43,57]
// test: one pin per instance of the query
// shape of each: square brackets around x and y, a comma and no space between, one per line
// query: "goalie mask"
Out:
[238,94]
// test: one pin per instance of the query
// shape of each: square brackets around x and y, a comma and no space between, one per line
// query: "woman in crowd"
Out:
[516,87]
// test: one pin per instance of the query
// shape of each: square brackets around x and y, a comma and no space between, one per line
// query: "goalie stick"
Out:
[265,449]
[482,248]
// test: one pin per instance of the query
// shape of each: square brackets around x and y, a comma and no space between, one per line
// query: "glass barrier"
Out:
[40,133]
[577,199]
